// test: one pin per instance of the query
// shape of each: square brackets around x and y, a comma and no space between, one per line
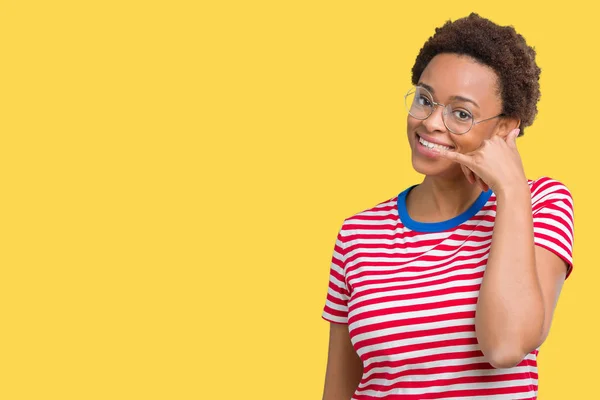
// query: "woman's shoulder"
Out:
[546,182]
[545,188]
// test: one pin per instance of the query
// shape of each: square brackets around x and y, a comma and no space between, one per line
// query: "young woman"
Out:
[447,290]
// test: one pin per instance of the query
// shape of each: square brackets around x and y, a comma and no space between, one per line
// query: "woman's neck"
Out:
[439,199]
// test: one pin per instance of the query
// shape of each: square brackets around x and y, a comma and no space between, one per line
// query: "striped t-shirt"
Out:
[408,292]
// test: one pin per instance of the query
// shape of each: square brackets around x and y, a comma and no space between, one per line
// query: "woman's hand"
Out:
[495,165]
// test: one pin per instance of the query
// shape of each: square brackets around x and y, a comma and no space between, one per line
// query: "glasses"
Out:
[456,115]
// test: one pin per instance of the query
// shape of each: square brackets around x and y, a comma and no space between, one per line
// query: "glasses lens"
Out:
[458,118]
[419,103]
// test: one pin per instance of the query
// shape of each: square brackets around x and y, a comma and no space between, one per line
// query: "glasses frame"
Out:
[444,112]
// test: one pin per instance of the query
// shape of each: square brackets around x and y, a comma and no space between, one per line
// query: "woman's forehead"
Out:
[451,75]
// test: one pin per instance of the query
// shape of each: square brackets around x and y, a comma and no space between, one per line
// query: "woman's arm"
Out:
[520,287]
[344,367]
[522,281]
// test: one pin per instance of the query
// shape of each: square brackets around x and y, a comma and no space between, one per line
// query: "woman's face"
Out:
[450,77]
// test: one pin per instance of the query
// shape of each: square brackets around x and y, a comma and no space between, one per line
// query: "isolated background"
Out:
[173,175]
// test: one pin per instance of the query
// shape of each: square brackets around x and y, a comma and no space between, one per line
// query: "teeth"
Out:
[432,145]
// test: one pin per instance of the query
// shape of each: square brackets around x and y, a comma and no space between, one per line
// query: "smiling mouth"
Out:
[430,145]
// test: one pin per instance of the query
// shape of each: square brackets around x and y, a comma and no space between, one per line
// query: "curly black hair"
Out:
[500,48]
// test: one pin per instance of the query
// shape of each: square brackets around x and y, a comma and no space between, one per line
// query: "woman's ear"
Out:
[507,125]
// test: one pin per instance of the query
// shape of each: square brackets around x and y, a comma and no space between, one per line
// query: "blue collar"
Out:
[442,225]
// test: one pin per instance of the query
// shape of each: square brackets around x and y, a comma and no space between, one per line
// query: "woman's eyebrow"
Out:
[426,86]
[461,98]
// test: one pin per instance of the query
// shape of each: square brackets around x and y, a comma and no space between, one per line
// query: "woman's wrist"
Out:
[512,191]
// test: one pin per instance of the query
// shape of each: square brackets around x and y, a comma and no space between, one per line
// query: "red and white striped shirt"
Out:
[408,292]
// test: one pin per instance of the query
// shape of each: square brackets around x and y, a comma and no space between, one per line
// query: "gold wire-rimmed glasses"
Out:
[457,117]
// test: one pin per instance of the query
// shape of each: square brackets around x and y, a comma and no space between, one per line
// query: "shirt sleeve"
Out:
[553,219]
[336,302]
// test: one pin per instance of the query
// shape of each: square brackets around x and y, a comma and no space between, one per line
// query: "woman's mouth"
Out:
[431,145]
[426,148]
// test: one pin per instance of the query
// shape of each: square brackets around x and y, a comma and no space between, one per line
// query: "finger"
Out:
[454,156]
[484,187]
[468,174]
[479,182]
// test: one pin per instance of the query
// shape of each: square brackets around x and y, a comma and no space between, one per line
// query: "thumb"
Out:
[512,138]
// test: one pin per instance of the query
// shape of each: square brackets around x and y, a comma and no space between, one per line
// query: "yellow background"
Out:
[173,176]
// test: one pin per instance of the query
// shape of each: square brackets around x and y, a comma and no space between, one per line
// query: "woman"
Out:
[447,290]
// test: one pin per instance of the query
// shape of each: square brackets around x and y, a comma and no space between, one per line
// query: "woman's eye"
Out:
[424,101]
[462,115]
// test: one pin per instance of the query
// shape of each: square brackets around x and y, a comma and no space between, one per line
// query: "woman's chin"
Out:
[426,166]
[433,167]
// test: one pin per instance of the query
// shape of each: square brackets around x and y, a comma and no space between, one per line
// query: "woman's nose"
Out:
[435,121]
